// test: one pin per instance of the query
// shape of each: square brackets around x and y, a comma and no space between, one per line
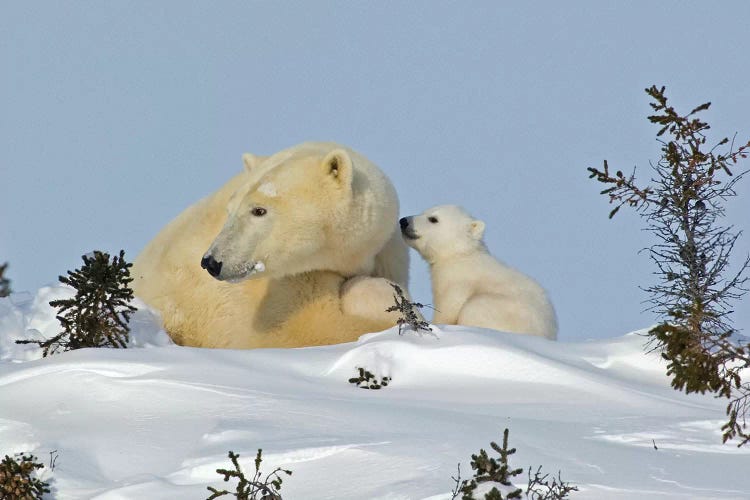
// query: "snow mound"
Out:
[156,422]
[32,318]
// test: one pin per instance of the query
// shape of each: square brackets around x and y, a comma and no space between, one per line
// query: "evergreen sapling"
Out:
[257,488]
[491,470]
[693,297]
[98,315]
[497,471]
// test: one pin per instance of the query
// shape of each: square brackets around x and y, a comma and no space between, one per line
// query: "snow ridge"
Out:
[157,420]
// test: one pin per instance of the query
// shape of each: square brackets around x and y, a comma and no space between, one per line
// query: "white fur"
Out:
[470,286]
[268,189]
[296,234]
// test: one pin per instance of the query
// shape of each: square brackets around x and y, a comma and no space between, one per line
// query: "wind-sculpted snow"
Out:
[157,422]
[23,317]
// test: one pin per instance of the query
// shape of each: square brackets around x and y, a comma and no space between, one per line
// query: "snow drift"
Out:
[157,421]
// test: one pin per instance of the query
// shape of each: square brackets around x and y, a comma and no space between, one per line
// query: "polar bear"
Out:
[299,249]
[470,286]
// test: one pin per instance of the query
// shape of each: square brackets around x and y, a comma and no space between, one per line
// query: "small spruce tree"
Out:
[18,479]
[257,488]
[683,208]
[491,470]
[98,315]
[4,281]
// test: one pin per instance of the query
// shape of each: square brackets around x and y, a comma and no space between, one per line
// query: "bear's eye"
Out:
[258,211]
[432,219]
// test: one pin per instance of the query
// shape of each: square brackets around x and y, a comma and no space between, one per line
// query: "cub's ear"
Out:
[476,229]
[251,161]
[337,165]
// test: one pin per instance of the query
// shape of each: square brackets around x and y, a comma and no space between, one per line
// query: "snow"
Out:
[257,267]
[157,420]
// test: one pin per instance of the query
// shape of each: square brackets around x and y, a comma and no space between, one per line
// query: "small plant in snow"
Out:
[18,479]
[367,380]
[541,488]
[410,314]
[497,471]
[491,470]
[257,488]
[99,313]
[4,281]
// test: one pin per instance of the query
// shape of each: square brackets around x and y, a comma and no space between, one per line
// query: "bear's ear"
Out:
[338,166]
[251,161]
[476,229]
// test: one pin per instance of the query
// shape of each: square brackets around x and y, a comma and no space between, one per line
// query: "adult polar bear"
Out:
[297,250]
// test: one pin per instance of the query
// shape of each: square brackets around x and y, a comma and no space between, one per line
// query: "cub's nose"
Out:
[404,221]
[211,265]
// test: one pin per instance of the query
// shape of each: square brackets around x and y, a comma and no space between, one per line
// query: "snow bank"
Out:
[155,423]
[31,318]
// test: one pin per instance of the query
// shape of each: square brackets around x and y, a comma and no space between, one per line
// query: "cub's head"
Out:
[442,231]
[279,222]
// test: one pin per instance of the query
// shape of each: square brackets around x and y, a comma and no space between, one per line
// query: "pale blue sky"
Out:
[115,116]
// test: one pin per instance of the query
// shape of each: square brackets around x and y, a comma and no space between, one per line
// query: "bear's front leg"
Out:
[448,303]
[368,297]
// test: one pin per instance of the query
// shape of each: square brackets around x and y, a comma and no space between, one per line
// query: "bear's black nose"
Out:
[209,264]
[404,221]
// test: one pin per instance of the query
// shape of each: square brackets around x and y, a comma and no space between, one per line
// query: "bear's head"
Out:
[284,217]
[441,232]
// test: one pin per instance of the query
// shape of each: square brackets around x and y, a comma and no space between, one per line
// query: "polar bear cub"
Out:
[470,286]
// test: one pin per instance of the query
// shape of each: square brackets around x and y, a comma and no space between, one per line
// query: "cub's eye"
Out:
[258,211]
[432,219]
